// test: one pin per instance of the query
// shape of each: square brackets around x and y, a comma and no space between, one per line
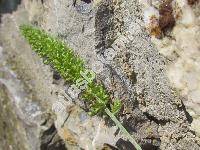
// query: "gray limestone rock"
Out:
[110,33]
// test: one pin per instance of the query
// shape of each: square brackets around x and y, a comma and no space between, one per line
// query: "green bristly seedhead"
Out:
[54,52]
[69,66]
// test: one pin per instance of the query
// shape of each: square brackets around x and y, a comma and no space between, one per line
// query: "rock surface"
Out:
[181,47]
[139,74]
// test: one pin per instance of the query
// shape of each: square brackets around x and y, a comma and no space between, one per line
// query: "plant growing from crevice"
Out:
[69,66]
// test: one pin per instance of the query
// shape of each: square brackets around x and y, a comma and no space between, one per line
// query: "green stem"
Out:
[120,126]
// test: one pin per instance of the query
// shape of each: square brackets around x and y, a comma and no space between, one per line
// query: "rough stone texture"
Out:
[152,110]
[181,48]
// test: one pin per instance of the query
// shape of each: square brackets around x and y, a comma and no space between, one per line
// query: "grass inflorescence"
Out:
[54,52]
[69,66]
[62,58]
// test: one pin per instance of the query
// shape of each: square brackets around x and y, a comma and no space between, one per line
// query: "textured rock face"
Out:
[139,75]
[181,48]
